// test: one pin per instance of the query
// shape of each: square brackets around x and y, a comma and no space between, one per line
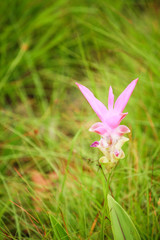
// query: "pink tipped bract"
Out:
[112,116]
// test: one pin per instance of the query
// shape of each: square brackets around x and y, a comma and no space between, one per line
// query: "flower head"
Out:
[112,116]
[109,128]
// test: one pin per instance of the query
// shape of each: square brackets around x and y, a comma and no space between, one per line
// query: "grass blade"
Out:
[58,230]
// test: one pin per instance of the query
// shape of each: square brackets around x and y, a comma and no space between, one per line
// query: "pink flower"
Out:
[109,128]
[111,117]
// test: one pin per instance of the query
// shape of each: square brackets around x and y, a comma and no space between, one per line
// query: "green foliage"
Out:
[122,226]
[46,164]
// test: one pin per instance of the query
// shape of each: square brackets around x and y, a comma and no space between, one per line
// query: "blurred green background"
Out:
[46,164]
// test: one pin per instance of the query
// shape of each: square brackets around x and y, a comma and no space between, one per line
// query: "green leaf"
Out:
[122,225]
[59,231]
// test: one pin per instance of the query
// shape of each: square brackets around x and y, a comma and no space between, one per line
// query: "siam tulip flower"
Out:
[109,128]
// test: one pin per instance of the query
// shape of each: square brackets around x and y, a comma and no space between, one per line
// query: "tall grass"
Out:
[45,47]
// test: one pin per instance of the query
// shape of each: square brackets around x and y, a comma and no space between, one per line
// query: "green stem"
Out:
[107,180]
[105,206]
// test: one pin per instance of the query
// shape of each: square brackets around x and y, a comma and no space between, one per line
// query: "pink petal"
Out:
[96,105]
[121,130]
[116,153]
[122,100]
[110,99]
[98,128]
[95,144]
[114,120]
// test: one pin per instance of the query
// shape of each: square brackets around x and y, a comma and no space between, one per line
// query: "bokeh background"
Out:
[46,164]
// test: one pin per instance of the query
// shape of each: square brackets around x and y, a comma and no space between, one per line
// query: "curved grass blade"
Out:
[122,225]
[58,230]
